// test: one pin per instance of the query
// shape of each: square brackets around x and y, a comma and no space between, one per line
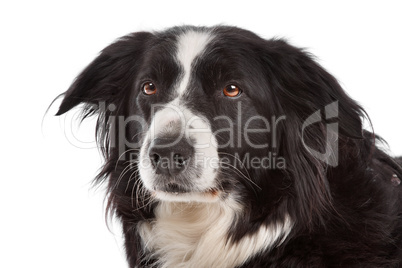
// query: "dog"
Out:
[224,149]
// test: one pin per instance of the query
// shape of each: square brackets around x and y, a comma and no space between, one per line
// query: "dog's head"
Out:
[199,114]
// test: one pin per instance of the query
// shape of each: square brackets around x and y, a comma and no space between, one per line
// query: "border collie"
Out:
[223,149]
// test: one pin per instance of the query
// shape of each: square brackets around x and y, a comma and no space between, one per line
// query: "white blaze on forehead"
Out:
[190,45]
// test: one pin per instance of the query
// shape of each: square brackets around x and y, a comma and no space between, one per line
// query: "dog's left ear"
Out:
[298,80]
[109,75]
[312,100]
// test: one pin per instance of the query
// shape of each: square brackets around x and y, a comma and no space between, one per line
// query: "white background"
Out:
[49,215]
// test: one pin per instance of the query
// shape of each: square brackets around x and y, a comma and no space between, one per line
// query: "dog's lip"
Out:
[174,188]
[212,192]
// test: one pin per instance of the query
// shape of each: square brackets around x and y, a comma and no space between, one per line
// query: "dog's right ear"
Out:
[109,75]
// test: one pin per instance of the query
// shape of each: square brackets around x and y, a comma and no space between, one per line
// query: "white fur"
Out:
[195,235]
[190,45]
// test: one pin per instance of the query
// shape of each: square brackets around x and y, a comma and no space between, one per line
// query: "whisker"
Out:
[135,172]
[244,176]
[123,173]
[149,200]
[121,155]
[236,158]
[136,186]
[141,132]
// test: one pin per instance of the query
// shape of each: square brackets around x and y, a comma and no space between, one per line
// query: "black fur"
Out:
[347,215]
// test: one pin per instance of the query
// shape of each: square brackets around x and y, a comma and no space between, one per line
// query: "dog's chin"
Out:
[208,196]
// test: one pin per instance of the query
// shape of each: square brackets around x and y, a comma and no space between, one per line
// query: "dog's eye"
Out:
[149,88]
[232,91]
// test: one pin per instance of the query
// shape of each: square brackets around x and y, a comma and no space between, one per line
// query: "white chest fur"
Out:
[195,235]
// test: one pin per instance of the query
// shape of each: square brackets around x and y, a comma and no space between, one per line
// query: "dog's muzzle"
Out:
[176,154]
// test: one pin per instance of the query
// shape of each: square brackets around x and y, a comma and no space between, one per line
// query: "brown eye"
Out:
[149,88]
[231,91]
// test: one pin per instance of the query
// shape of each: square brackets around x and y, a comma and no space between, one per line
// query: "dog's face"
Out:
[196,94]
[203,113]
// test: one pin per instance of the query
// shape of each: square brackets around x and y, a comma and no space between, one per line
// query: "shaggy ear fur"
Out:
[110,75]
[304,88]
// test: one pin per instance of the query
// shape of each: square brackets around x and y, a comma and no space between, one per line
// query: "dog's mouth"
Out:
[176,192]
[174,188]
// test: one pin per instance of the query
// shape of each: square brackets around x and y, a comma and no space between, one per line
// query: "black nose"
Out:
[170,156]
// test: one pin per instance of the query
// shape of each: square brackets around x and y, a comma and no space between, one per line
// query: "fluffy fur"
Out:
[310,207]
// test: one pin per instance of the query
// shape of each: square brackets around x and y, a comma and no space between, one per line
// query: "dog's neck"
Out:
[196,235]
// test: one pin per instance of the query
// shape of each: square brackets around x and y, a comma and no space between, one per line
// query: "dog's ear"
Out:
[109,74]
[300,81]
[312,100]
